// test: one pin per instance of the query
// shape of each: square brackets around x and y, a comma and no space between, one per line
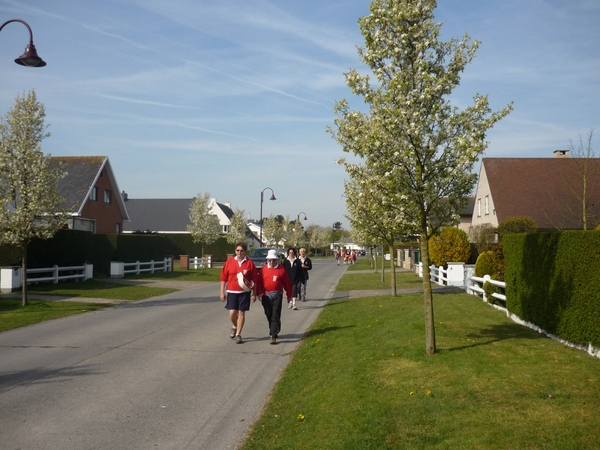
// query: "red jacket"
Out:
[230,270]
[271,279]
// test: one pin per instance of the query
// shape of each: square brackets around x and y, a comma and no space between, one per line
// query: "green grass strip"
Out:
[99,289]
[13,315]
[361,380]
[372,280]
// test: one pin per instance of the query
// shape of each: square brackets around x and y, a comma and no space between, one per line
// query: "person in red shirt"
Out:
[238,287]
[272,281]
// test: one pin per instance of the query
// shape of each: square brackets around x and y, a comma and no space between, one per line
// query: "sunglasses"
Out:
[240,250]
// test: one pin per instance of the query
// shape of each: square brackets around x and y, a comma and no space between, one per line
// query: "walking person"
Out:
[293,267]
[238,287]
[337,257]
[306,266]
[272,281]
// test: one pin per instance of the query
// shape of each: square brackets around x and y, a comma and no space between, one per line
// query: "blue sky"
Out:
[233,96]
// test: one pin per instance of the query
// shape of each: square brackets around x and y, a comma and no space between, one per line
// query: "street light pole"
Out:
[302,212]
[30,58]
[261,204]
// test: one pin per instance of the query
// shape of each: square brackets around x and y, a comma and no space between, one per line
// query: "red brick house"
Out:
[549,190]
[92,194]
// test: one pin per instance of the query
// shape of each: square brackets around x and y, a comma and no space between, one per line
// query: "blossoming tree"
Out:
[30,205]
[412,136]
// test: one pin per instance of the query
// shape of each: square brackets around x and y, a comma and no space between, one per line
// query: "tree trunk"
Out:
[382,265]
[427,296]
[374,259]
[24,301]
[392,269]
[202,256]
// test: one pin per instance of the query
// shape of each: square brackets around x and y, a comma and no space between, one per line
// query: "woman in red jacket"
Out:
[239,277]
[272,281]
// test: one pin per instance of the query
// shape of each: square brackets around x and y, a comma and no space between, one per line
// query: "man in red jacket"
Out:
[239,275]
[272,281]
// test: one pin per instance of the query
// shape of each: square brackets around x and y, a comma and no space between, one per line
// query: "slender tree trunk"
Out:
[24,301]
[392,269]
[382,265]
[374,259]
[427,296]
[202,265]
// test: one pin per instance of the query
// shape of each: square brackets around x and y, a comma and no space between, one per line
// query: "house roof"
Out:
[545,189]
[165,215]
[82,172]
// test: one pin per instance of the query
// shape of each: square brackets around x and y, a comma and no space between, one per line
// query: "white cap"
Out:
[272,254]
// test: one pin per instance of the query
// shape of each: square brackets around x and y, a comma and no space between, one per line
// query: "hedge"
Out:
[73,247]
[552,281]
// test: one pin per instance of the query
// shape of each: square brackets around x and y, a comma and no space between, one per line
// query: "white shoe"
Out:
[294,306]
[289,306]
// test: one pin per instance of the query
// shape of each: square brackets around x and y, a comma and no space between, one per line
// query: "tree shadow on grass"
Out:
[497,333]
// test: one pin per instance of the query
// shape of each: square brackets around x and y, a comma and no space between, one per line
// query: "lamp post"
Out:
[30,58]
[302,212]
[261,203]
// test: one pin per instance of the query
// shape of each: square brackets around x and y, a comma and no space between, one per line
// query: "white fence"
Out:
[11,276]
[196,262]
[475,287]
[119,269]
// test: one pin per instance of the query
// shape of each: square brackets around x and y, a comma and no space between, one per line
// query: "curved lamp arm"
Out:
[30,58]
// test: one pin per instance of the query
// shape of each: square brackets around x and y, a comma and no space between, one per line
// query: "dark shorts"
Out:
[238,301]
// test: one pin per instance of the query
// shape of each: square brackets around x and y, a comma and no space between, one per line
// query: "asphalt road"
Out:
[154,374]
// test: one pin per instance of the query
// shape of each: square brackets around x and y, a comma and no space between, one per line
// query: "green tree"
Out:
[273,230]
[204,226]
[30,205]
[482,236]
[368,219]
[295,234]
[238,228]
[517,224]
[412,134]
[319,237]
[451,245]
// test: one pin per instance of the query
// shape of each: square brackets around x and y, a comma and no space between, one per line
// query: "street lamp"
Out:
[261,203]
[302,212]
[30,58]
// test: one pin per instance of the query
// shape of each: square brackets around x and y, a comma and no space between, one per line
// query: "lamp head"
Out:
[30,58]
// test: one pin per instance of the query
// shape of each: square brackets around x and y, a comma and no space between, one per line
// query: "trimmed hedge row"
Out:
[552,281]
[73,247]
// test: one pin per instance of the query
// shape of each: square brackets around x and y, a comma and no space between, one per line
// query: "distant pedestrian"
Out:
[337,257]
[306,266]
[272,281]
[238,287]
[293,267]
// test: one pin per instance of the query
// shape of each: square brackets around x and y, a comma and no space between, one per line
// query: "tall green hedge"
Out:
[73,248]
[552,280]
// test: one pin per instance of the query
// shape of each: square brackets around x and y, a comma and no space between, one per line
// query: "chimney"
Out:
[561,153]
[124,196]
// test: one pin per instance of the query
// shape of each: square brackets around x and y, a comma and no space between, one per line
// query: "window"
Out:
[478,207]
[487,205]
[225,228]
[94,194]
[118,228]
[107,196]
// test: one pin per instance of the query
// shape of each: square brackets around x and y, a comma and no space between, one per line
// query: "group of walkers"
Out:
[347,256]
[242,283]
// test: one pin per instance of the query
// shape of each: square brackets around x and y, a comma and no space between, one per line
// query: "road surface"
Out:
[160,373]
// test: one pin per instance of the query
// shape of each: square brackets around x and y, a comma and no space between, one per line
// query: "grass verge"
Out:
[361,380]
[181,275]
[13,315]
[99,289]
[372,280]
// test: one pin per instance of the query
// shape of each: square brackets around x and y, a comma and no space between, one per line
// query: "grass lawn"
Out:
[181,274]
[361,380]
[13,315]
[99,289]
[372,280]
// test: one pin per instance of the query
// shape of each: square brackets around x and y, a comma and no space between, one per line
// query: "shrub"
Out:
[451,245]
[518,224]
[491,263]
[482,236]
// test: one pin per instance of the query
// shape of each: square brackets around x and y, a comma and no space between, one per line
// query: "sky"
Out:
[233,97]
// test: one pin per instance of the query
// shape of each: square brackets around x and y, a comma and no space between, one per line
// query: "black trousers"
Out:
[272,306]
